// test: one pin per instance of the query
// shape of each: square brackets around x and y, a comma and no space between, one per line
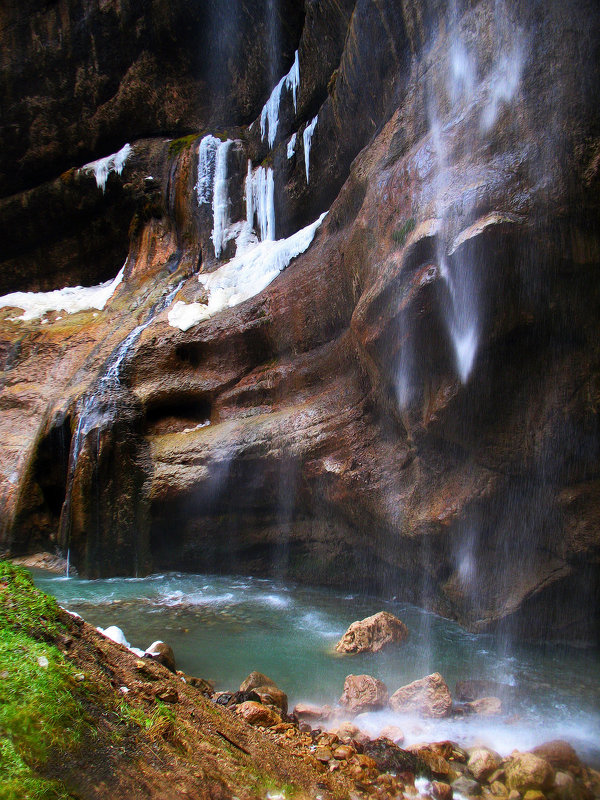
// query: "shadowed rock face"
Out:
[411,407]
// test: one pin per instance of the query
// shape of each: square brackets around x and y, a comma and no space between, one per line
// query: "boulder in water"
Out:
[429,696]
[115,634]
[558,754]
[527,771]
[485,706]
[363,693]
[309,712]
[255,679]
[163,653]
[369,635]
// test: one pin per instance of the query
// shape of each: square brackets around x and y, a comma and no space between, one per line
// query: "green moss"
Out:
[42,706]
[38,712]
[178,145]
[23,607]
[401,233]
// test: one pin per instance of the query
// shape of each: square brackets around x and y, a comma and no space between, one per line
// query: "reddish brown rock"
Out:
[483,762]
[308,712]
[441,791]
[429,696]
[363,693]
[257,714]
[559,754]
[372,634]
[272,696]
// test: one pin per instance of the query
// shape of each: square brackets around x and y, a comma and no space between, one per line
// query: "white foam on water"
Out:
[243,277]
[199,598]
[104,166]
[307,138]
[71,299]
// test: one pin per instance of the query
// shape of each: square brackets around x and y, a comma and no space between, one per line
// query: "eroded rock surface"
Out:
[372,634]
[428,696]
[412,401]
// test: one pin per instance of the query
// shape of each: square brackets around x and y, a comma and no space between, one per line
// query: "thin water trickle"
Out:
[100,405]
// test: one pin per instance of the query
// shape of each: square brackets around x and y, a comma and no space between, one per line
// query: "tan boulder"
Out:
[483,762]
[369,635]
[527,771]
[534,794]
[486,706]
[255,679]
[257,714]
[429,696]
[363,693]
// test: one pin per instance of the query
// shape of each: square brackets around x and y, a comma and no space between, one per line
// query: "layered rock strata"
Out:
[410,407]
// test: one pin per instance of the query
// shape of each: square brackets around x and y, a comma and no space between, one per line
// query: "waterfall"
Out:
[307,138]
[220,197]
[95,411]
[463,312]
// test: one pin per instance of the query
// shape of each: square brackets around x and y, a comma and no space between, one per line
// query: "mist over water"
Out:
[222,628]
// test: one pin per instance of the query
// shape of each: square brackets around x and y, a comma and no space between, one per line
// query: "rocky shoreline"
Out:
[324,738]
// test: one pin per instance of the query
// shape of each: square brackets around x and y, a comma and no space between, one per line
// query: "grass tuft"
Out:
[401,233]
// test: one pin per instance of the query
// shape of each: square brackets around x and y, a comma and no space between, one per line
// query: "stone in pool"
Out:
[371,634]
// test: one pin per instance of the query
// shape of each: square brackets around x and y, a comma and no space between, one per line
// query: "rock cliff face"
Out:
[411,406]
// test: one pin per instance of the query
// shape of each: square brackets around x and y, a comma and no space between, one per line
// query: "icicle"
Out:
[291,146]
[293,79]
[260,202]
[243,277]
[269,117]
[307,136]
[104,166]
[220,198]
[206,168]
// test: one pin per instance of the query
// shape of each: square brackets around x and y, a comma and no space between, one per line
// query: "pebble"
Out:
[43,662]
